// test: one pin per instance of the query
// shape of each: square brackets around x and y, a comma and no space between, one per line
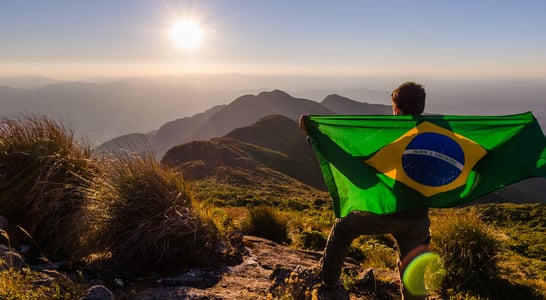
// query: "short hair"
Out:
[409,97]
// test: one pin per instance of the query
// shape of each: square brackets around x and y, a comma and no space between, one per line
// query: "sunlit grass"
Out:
[153,219]
[478,259]
[20,284]
[266,222]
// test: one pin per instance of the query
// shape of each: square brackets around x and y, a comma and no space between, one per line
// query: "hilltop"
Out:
[273,150]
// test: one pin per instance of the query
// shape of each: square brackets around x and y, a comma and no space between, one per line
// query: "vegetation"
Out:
[377,251]
[19,284]
[45,179]
[479,256]
[469,249]
[17,281]
[152,219]
[107,213]
[264,221]
[72,205]
[312,240]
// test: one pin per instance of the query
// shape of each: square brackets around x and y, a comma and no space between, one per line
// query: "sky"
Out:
[68,39]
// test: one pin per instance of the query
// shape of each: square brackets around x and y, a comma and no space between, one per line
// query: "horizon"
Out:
[66,40]
[462,52]
[100,110]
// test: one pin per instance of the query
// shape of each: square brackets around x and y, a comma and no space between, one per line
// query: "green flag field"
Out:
[387,164]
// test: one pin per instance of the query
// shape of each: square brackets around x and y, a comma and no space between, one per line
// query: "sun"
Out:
[186,34]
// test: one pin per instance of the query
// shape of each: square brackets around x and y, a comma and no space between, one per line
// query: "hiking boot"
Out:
[333,292]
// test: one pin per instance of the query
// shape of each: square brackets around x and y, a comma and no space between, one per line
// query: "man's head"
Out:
[408,99]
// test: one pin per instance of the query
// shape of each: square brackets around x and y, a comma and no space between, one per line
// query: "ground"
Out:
[268,271]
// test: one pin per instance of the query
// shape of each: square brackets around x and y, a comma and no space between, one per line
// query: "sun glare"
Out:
[186,34]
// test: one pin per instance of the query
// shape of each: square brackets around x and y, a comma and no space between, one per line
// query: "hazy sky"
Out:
[71,38]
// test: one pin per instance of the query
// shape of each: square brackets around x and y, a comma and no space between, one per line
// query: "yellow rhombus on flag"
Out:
[421,167]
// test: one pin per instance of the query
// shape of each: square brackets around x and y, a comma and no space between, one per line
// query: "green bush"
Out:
[24,284]
[312,240]
[378,251]
[45,178]
[468,248]
[266,222]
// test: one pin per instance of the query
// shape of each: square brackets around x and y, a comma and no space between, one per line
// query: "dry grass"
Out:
[128,211]
[468,248]
[266,222]
[20,284]
[44,181]
[152,219]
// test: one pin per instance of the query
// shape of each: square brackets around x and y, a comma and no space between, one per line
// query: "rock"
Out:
[10,258]
[3,223]
[366,278]
[267,269]
[98,292]
[337,292]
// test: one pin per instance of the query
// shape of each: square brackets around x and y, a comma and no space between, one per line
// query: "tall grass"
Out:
[73,205]
[376,251]
[469,250]
[153,224]
[264,221]
[45,176]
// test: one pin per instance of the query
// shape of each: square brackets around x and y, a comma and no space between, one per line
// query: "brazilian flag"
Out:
[387,164]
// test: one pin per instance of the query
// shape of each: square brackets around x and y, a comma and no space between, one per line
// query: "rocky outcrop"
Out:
[267,271]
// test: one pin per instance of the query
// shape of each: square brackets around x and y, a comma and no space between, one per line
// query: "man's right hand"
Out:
[302,122]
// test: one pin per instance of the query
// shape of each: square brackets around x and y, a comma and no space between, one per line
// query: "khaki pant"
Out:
[409,234]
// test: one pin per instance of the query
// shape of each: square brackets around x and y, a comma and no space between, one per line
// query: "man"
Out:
[409,228]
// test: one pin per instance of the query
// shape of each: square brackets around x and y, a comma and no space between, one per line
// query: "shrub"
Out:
[152,224]
[21,284]
[266,222]
[312,240]
[45,177]
[468,249]
[377,251]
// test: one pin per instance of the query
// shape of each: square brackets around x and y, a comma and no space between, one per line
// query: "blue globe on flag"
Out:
[433,159]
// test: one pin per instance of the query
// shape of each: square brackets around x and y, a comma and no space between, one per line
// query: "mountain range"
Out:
[243,111]
[99,109]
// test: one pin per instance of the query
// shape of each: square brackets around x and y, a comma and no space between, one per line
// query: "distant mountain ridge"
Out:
[100,104]
[345,106]
[241,112]
[99,109]
[102,111]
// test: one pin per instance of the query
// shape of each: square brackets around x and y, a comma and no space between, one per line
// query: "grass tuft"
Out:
[153,224]
[264,221]
[469,249]
[44,180]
